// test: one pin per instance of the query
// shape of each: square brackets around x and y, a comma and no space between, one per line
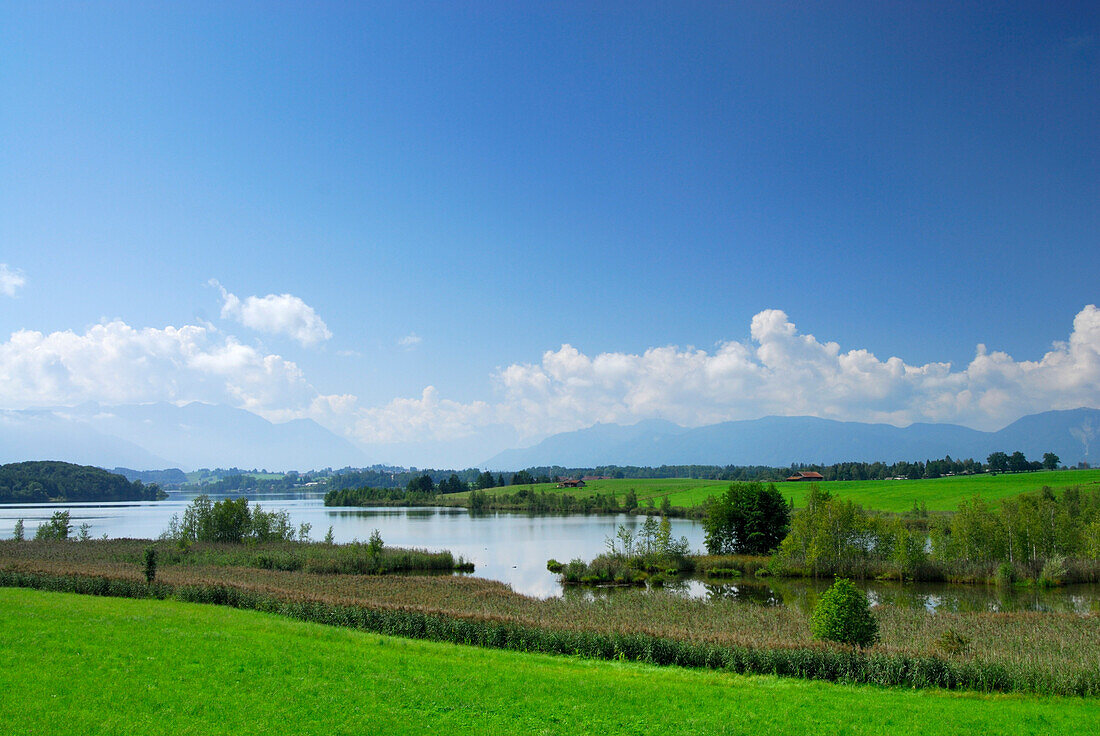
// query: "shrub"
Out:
[953,643]
[574,571]
[374,546]
[554,566]
[1054,571]
[843,615]
[150,564]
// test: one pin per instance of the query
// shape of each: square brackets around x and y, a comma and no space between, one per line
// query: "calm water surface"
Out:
[514,548]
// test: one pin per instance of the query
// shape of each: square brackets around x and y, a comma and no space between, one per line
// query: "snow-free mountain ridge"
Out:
[781,441]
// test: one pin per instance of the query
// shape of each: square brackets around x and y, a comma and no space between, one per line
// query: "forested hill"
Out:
[48,480]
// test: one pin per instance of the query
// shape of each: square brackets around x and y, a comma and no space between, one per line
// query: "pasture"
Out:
[937,494]
[80,664]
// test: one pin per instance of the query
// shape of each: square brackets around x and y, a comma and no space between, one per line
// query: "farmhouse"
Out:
[806,475]
[570,483]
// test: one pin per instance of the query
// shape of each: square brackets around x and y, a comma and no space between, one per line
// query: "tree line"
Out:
[455,481]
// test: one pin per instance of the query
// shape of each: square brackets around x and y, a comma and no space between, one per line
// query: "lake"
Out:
[513,548]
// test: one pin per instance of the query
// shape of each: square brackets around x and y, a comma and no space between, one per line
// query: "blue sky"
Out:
[500,179]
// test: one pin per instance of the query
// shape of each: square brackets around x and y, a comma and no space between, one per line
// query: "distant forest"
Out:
[432,481]
[46,481]
[444,481]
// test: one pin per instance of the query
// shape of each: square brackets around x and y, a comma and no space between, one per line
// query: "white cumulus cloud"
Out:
[779,371]
[275,314]
[116,363]
[427,417]
[11,280]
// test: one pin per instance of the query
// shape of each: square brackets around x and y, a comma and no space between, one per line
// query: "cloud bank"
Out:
[275,314]
[115,363]
[11,280]
[777,371]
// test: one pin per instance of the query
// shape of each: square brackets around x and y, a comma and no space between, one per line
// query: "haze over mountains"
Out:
[780,441]
[163,435]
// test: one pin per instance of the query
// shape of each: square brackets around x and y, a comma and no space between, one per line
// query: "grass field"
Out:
[1025,652]
[76,664]
[938,494]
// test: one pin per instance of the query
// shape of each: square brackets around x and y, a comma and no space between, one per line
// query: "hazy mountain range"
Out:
[153,436]
[148,436]
[780,441]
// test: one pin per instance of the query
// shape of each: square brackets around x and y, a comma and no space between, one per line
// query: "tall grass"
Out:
[355,558]
[1032,652]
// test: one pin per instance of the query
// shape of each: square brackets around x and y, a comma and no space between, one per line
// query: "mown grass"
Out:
[1040,652]
[74,664]
[937,494]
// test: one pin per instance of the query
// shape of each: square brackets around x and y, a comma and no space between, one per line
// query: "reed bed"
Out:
[316,557]
[1031,652]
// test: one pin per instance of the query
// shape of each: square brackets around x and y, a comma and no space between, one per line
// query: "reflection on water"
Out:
[932,597]
[511,548]
[514,548]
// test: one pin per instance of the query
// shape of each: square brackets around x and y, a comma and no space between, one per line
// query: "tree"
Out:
[1050,460]
[421,484]
[486,480]
[523,478]
[844,615]
[230,520]
[454,484]
[749,519]
[998,462]
[58,527]
[630,501]
[1018,463]
[647,538]
[18,531]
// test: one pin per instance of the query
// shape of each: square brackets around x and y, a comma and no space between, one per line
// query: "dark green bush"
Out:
[843,615]
[150,564]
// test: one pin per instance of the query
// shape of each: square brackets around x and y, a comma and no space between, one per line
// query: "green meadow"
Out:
[937,494]
[88,665]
